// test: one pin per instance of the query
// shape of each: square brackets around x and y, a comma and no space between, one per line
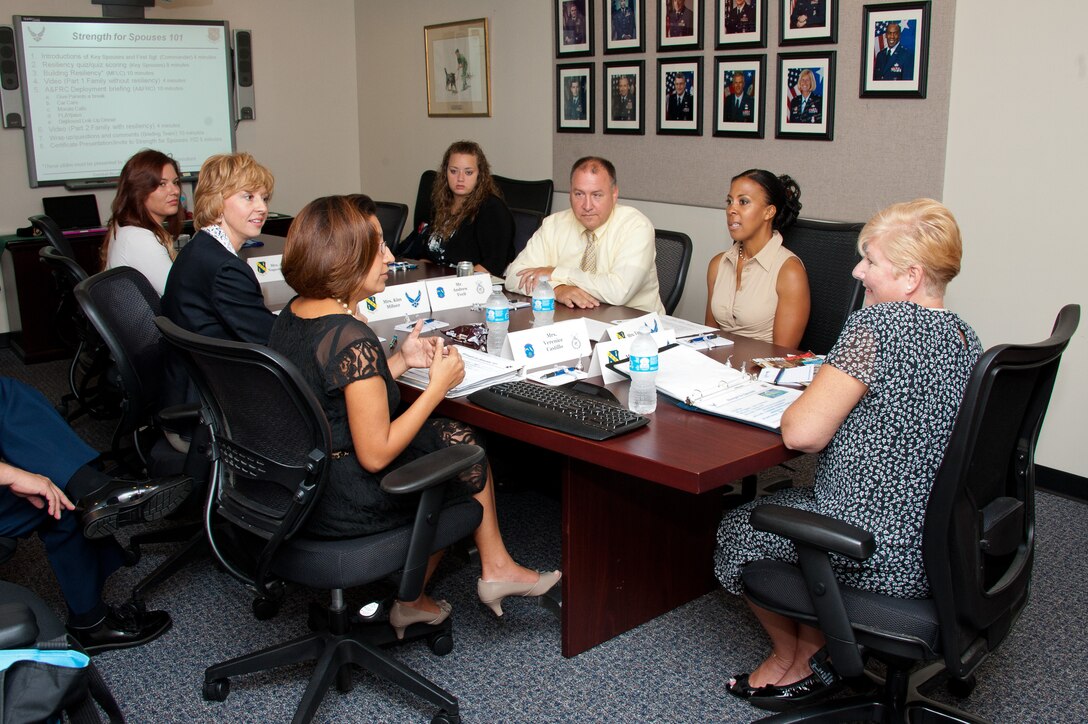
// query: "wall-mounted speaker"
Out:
[245,103]
[11,98]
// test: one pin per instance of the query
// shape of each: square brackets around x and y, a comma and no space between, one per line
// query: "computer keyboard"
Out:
[560,408]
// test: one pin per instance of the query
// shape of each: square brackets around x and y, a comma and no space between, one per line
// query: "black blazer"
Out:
[212,292]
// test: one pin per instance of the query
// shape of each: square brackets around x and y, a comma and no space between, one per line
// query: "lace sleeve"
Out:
[350,352]
[857,350]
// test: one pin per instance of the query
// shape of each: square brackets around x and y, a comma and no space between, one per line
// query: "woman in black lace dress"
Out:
[881,411]
[334,258]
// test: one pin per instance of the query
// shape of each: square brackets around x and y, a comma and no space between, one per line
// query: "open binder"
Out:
[701,383]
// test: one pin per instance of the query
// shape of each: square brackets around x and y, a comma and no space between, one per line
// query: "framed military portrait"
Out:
[806,96]
[680,98]
[895,50]
[741,24]
[574,102]
[740,84]
[573,28]
[624,99]
[624,26]
[679,25]
[808,22]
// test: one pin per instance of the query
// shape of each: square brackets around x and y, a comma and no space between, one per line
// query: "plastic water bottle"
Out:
[497,310]
[642,398]
[543,302]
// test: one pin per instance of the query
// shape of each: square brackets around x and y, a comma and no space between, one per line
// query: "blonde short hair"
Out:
[921,232]
[221,177]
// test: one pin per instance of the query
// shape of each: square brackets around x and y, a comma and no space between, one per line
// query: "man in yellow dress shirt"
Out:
[596,251]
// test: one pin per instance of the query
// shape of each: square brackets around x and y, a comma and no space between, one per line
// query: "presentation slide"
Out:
[98,91]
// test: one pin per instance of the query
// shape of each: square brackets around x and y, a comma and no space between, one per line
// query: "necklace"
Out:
[740,251]
[342,303]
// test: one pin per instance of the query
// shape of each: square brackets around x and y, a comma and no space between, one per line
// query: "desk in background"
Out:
[31,295]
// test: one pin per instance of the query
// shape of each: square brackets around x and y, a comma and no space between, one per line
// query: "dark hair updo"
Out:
[782,192]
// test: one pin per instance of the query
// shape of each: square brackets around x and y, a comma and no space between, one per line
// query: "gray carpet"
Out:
[673,669]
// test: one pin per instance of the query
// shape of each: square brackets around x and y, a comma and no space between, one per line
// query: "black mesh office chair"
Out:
[526,222]
[271,441]
[531,195]
[673,259]
[423,211]
[392,216]
[92,389]
[828,250]
[53,234]
[978,546]
[122,306]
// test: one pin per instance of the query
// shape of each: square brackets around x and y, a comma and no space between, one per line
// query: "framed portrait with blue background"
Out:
[808,22]
[740,83]
[624,26]
[680,96]
[574,109]
[806,96]
[895,50]
[741,24]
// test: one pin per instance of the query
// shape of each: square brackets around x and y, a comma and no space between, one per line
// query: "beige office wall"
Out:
[306,129]
[307,111]
[398,141]
[1015,179]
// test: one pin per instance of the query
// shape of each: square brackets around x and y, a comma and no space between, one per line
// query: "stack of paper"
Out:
[481,370]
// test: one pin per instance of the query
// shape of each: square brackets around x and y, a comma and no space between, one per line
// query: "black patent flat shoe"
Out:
[123,626]
[817,686]
[741,689]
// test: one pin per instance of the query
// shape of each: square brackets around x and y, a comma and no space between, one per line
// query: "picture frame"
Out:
[624,26]
[624,97]
[572,115]
[808,22]
[898,71]
[573,28]
[740,24]
[741,118]
[466,90]
[679,29]
[680,114]
[812,116]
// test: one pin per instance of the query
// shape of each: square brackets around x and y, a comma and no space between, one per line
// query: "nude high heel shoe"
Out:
[402,616]
[491,593]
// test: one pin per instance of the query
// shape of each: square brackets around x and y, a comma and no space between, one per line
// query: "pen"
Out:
[393,342]
[703,338]
[556,373]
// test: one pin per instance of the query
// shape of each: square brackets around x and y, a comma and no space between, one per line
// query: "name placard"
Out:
[396,301]
[559,342]
[609,350]
[456,292]
[630,327]
[267,268]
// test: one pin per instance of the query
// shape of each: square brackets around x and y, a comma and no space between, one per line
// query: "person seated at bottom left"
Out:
[45,467]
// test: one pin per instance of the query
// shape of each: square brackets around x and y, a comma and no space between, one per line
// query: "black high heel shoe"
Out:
[820,684]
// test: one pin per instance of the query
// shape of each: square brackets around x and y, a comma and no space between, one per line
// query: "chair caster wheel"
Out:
[444,717]
[265,608]
[962,688]
[216,689]
[441,643]
[131,555]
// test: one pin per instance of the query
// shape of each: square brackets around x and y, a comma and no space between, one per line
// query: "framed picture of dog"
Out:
[458,69]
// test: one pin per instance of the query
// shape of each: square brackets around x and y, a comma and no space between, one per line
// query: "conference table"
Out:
[640,511]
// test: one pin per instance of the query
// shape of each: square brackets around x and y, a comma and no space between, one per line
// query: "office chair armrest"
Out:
[432,469]
[180,415]
[18,626]
[815,530]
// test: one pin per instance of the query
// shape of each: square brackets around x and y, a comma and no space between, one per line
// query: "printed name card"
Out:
[559,342]
[609,350]
[396,301]
[630,327]
[267,268]
[457,292]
